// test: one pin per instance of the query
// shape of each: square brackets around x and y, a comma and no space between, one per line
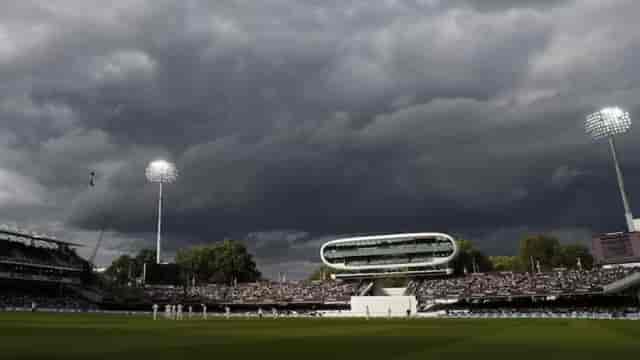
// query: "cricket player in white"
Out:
[155,311]
[260,313]
[368,313]
[190,311]
[179,311]
[204,311]
[227,312]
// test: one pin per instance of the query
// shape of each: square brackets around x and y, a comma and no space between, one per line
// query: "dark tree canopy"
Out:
[223,262]
[470,259]
[539,248]
[126,269]
[147,256]
[572,255]
[505,263]
[549,253]
[121,270]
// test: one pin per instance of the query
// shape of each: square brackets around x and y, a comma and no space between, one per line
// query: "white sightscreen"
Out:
[380,305]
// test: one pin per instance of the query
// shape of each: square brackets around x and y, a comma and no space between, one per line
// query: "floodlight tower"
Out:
[607,123]
[161,172]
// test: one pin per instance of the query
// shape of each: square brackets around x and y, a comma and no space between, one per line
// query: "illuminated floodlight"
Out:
[160,172]
[607,123]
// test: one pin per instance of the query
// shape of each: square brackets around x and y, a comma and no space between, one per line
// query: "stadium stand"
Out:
[484,287]
[631,312]
[22,253]
[512,284]
[48,274]
[264,292]
[41,272]
[166,294]
[19,298]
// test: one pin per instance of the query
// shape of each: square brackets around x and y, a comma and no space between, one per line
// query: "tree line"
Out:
[229,261]
[224,262]
[539,252]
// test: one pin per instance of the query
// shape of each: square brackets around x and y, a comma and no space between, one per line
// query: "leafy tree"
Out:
[569,254]
[505,263]
[548,251]
[470,259]
[147,256]
[120,270]
[197,263]
[539,248]
[126,269]
[222,262]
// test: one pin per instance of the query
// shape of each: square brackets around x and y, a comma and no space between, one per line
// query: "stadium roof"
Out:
[36,237]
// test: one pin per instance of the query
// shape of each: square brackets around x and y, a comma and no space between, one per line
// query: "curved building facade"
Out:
[393,251]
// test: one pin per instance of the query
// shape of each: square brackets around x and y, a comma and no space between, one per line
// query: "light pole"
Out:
[161,172]
[607,123]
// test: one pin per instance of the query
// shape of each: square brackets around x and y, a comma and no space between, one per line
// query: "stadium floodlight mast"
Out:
[607,123]
[161,172]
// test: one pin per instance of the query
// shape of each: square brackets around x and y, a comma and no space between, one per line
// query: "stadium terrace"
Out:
[46,274]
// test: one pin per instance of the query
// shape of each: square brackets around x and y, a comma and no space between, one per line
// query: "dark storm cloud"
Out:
[501,5]
[294,120]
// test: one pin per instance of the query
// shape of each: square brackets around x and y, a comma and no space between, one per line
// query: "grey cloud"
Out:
[501,5]
[290,121]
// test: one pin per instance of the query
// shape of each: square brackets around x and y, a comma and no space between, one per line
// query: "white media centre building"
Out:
[384,256]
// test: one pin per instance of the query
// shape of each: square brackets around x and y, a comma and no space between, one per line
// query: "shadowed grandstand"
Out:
[42,272]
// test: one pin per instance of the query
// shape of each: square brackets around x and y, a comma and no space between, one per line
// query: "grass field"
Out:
[81,336]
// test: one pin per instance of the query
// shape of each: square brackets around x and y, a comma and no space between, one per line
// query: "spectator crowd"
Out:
[478,285]
[18,252]
[628,312]
[14,300]
[514,284]
[258,292]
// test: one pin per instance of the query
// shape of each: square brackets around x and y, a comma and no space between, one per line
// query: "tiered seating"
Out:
[512,284]
[261,292]
[18,252]
[19,295]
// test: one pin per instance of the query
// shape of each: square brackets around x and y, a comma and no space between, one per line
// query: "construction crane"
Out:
[94,253]
[92,259]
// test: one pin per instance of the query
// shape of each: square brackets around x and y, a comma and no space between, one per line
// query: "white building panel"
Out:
[379,306]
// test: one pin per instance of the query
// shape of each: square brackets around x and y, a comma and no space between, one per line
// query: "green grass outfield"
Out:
[83,336]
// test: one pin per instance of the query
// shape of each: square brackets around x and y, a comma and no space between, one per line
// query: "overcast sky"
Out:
[295,121]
